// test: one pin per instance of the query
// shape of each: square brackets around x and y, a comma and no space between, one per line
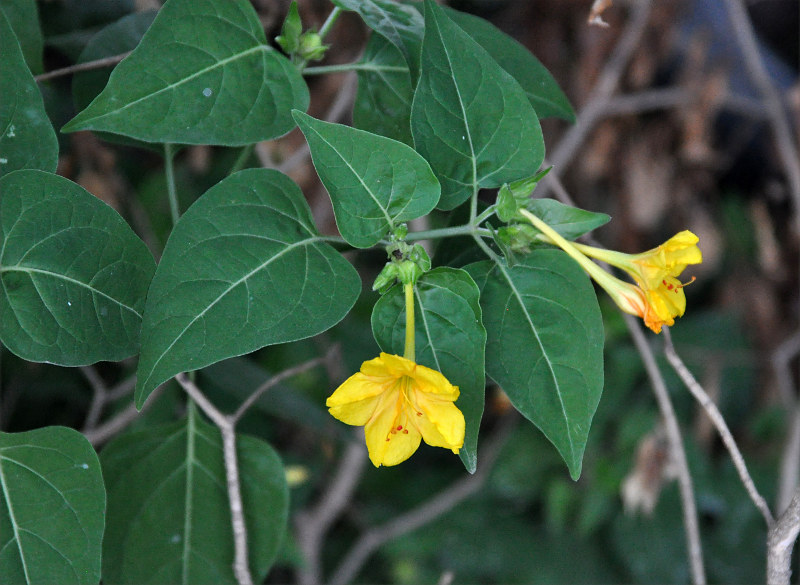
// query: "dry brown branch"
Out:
[88,66]
[677,452]
[780,542]
[719,423]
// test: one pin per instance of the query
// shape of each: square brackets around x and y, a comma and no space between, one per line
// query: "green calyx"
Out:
[300,46]
[407,262]
[515,196]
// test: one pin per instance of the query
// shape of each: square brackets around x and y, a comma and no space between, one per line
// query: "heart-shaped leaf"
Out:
[23,16]
[470,119]
[203,74]
[383,100]
[375,183]
[449,338]
[243,268]
[27,139]
[545,344]
[74,275]
[52,508]
[168,512]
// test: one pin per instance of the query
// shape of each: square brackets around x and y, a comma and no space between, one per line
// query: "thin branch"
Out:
[781,127]
[88,66]
[790,464]
[312,525]
[426,512]
[113,426]
[719,423]
[241,564]
[593,110]
[277,379]
[677,452]
[99,397]
[780,542]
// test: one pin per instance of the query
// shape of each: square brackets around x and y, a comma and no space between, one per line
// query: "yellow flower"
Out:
[659,297]
[399,403]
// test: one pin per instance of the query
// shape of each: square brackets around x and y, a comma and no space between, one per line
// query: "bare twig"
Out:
[781,127]
[99,397]
[227,428]
[780,542]
[88,66]
[593,110]
[312,525]
[719,423]
[790,464]
[104,432]
[677,452]
[241,564]
[426,512]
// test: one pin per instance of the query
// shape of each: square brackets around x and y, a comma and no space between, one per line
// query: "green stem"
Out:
[486,214]
[242,159]
[169,154]
[461,230]
[329,22]
[321,69]
[409,351]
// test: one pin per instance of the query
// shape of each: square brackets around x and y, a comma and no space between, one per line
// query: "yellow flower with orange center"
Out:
[399,403]
[659,297]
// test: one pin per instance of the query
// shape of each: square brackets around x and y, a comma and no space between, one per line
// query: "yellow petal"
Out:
[379,427]
[355,413]
[433,382]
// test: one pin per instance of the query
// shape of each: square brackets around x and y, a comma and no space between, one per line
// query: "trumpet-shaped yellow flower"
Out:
[399,403]
[659,297]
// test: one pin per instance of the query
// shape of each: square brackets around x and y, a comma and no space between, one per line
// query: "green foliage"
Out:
[52,507]
[375,183]
[167,505]
[470,119]
[235,263]
[27,140]
[203,74]
[74,274]
[552,374]
[23,16]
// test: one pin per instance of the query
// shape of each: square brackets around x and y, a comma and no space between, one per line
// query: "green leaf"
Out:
[289,39]
[23,16]
[400,24]
[470,119]
[27,139]
[116,38]
[541,89]
[243,268]
[375,183]
[168,511]
[52,507]
[74,275]
[203,74]
[570,222]
[449,338]
[545,344]
[383,101]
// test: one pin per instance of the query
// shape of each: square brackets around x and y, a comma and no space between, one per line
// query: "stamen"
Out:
[399,427]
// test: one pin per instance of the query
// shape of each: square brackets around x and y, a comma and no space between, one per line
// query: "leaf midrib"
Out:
[14,523]
[172,86]
[71,281]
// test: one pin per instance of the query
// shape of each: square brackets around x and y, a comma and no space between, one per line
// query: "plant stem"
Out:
[169,168]
[241,160]
[329,22]
[88,66]
[409,350]
[461,230]
[486,214]
[321,69]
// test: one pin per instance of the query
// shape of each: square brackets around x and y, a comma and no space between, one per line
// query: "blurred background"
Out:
[675,130]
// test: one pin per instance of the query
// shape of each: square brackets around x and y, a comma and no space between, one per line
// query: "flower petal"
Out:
[379,427]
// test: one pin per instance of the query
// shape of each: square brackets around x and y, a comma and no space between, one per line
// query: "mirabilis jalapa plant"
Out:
[447,106]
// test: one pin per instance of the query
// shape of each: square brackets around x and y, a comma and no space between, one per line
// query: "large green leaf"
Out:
[27,139]
[23,15]
[74,275]
[449,338]
[545,344]
[168,512]
[470,119]
[116,38]
[542,90]
[383,101]
[375,183]
[400,24]
[203,74]
[243,268]
[52,508]
[570,222]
